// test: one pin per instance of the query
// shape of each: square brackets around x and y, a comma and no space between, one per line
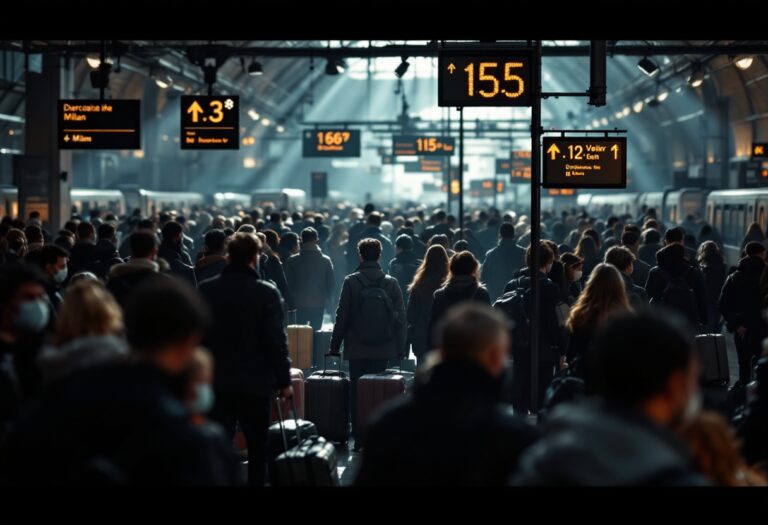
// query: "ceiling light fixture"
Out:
[648,66]
[401,69]
[255,69]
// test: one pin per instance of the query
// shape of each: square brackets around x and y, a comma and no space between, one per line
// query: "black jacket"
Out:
[271,269]
[419,308]
[209,266]
[588,444]
[460,289]
[82,257]
[113,424]
[488,237]
[387,250]
[715,271]
[403,267]
[640,271]
[740,301]
[106,257]
[452,432]
[636,294]
[310,278]
[247,339]
[671,262]
[126,276]
[647,253]
[500,266]
[178,260]
[752,426]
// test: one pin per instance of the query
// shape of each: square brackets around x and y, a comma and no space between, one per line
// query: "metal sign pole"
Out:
[535,223]
[461,173]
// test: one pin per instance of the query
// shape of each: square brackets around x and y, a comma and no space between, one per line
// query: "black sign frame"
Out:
[415,152]
[547,182]
[115,129]
[309,144]
[230,120]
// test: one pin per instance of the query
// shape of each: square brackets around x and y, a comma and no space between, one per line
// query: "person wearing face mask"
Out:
[52,259]
[453,430]
[624,434]
[574,270]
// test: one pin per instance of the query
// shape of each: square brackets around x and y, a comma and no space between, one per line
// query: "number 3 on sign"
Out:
[483,76]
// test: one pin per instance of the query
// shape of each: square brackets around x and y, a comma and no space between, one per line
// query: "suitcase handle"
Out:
[325,361]
[281,421]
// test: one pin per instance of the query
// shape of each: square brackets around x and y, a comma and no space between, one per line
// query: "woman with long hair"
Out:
[589,252]
[715,271]
[604,295]
[463,284]
[428,277]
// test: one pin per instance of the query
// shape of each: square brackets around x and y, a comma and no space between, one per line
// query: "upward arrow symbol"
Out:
[553,150]
[451,68]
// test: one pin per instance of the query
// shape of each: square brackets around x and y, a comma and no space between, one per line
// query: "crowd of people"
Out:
[132,348]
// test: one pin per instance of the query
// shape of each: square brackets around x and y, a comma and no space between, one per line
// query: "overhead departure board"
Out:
[561,192]
[521,167]
[485,187]
[99,124]
[426,165]
[331,143]
[503,166]
[484,78]
[210,122]
[425,145]
[585,162]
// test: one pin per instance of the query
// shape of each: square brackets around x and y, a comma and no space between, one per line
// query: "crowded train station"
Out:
[371,263]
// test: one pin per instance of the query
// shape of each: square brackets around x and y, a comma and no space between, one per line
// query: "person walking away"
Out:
[310,279]
[173,252]
[715,271]
[405,264]
[623,260]
[214,257]
[430,276]
[502,262]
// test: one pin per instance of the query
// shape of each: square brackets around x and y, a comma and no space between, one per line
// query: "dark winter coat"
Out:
[500,266]
[671,262]
[740,300]
[310,278]
[458,290]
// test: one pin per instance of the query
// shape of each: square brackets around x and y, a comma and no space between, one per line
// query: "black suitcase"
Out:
[326,402]
[713,359]
[275,445]
[311,463]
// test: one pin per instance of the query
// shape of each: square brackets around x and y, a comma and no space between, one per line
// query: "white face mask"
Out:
[61,275]
[33,316]
[577,275]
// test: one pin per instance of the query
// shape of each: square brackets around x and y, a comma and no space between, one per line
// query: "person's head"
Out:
[369,250]
[546,257]
[86,232]
[573,266]
[289,243]
[275,218]
[714,448]
[432,271]
[213,242]
[553,247]
[621,257]
[65,241]
[708,250]
[146,224]
[651,236]
[507,231]
[172,232]
[83,276]
[273,240]
[603,296]
[23,308]
[403,243]
[631,240]
[368,209]
[143,245]
[439,239]
[244,250]
[586,248]
[53,261]
[374,219]
[17,241]
[645,362]
[461,245]
[247,228]
[440,217]
[474,332]
[88,309]
[164,320]
[595,236]
[34,234]
[754,230]
[199,396]
[754,249]
[674,236]
[463,264]
[106,232]
[705,231]
[309,236]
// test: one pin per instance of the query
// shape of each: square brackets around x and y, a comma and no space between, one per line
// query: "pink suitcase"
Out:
[375,389]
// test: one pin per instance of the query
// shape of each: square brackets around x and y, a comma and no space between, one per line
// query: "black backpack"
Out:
[516,306]
[678,295]
[375,313]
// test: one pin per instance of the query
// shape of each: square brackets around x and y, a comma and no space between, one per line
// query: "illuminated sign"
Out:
[585,162]
[422,145]
[319,189]
[561,192]
[331,143]
[425,165]
[521,167]
[484,78]
[759,150]
[485,187]
[99,124]
[211,122]
[503,166]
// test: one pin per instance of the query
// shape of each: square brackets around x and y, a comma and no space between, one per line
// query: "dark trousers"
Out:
[357,369]
[313,316]
[747,347]
[253,413]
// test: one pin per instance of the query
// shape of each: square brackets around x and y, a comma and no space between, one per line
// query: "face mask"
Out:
[32,316]
[203,402]
[61,275]
[577,276]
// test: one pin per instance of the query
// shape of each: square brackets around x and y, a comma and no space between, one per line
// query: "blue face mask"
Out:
[32,316]
[61,275]
[203,402]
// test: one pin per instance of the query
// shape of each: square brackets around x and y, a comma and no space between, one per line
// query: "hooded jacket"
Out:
[740,301]
[671,262]
[589,444]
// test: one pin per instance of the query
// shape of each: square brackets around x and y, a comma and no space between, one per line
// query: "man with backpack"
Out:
[403,267]
[370,320]
[516,304]
[675,283]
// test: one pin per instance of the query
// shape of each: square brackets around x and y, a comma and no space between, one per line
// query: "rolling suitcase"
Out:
[406,368]
[299,344]
[294,427]
[375,389]
[297,382]
[309,463]
[327,403]
[713,359]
